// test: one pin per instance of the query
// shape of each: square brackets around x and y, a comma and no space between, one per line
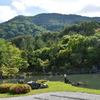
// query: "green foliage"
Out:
[9,72]
[3,51]
[64,54]
[43,64]
[10,58]
[65,39]
[77,43]
[84,28]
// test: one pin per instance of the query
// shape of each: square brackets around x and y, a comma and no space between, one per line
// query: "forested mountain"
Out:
[30,43]
[25,25]
[56,22]
[19,26]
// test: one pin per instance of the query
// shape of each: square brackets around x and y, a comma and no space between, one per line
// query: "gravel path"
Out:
[57,96]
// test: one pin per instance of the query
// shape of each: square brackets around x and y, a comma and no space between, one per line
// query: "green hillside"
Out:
[25,25]
[55,22]
[20,25]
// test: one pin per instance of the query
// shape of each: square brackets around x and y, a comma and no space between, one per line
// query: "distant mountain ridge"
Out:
[47,20]
[23,25]
[63,18]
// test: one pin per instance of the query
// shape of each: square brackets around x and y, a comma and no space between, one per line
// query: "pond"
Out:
[91,80]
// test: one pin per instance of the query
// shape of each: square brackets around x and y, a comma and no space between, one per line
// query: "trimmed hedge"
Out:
[15,88]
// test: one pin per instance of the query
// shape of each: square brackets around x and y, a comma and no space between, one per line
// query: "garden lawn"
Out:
[55,87]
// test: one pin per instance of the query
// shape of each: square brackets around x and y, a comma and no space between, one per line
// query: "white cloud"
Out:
[18,5]
[6,13]
[57,6]
[90,9]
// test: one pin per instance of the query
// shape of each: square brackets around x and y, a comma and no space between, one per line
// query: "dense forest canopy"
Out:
[75,48]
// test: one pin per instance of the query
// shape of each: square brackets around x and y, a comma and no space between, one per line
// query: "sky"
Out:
[12,8]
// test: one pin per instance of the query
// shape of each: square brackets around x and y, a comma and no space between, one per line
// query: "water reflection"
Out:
[92,80]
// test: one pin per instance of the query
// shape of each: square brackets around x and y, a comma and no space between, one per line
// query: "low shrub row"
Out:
[4,88]
[15,88]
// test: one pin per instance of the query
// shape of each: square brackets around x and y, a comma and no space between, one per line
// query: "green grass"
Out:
[55,87]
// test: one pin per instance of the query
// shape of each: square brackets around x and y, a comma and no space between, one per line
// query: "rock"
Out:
[44,86]
[78,84]
[66,80]
[4,77]
[20,76]
[73,84]
[34,85]
[0,74]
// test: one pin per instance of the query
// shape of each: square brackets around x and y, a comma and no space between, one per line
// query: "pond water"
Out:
[91,80]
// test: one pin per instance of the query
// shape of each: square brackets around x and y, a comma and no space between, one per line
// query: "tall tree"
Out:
[11,56]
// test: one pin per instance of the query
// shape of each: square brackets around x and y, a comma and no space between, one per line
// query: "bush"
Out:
[41,81]
[4,88]
[14,88]
[20,88]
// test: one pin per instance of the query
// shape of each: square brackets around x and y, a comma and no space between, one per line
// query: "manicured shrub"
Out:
[20,88]
[41,81]
[4,88]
